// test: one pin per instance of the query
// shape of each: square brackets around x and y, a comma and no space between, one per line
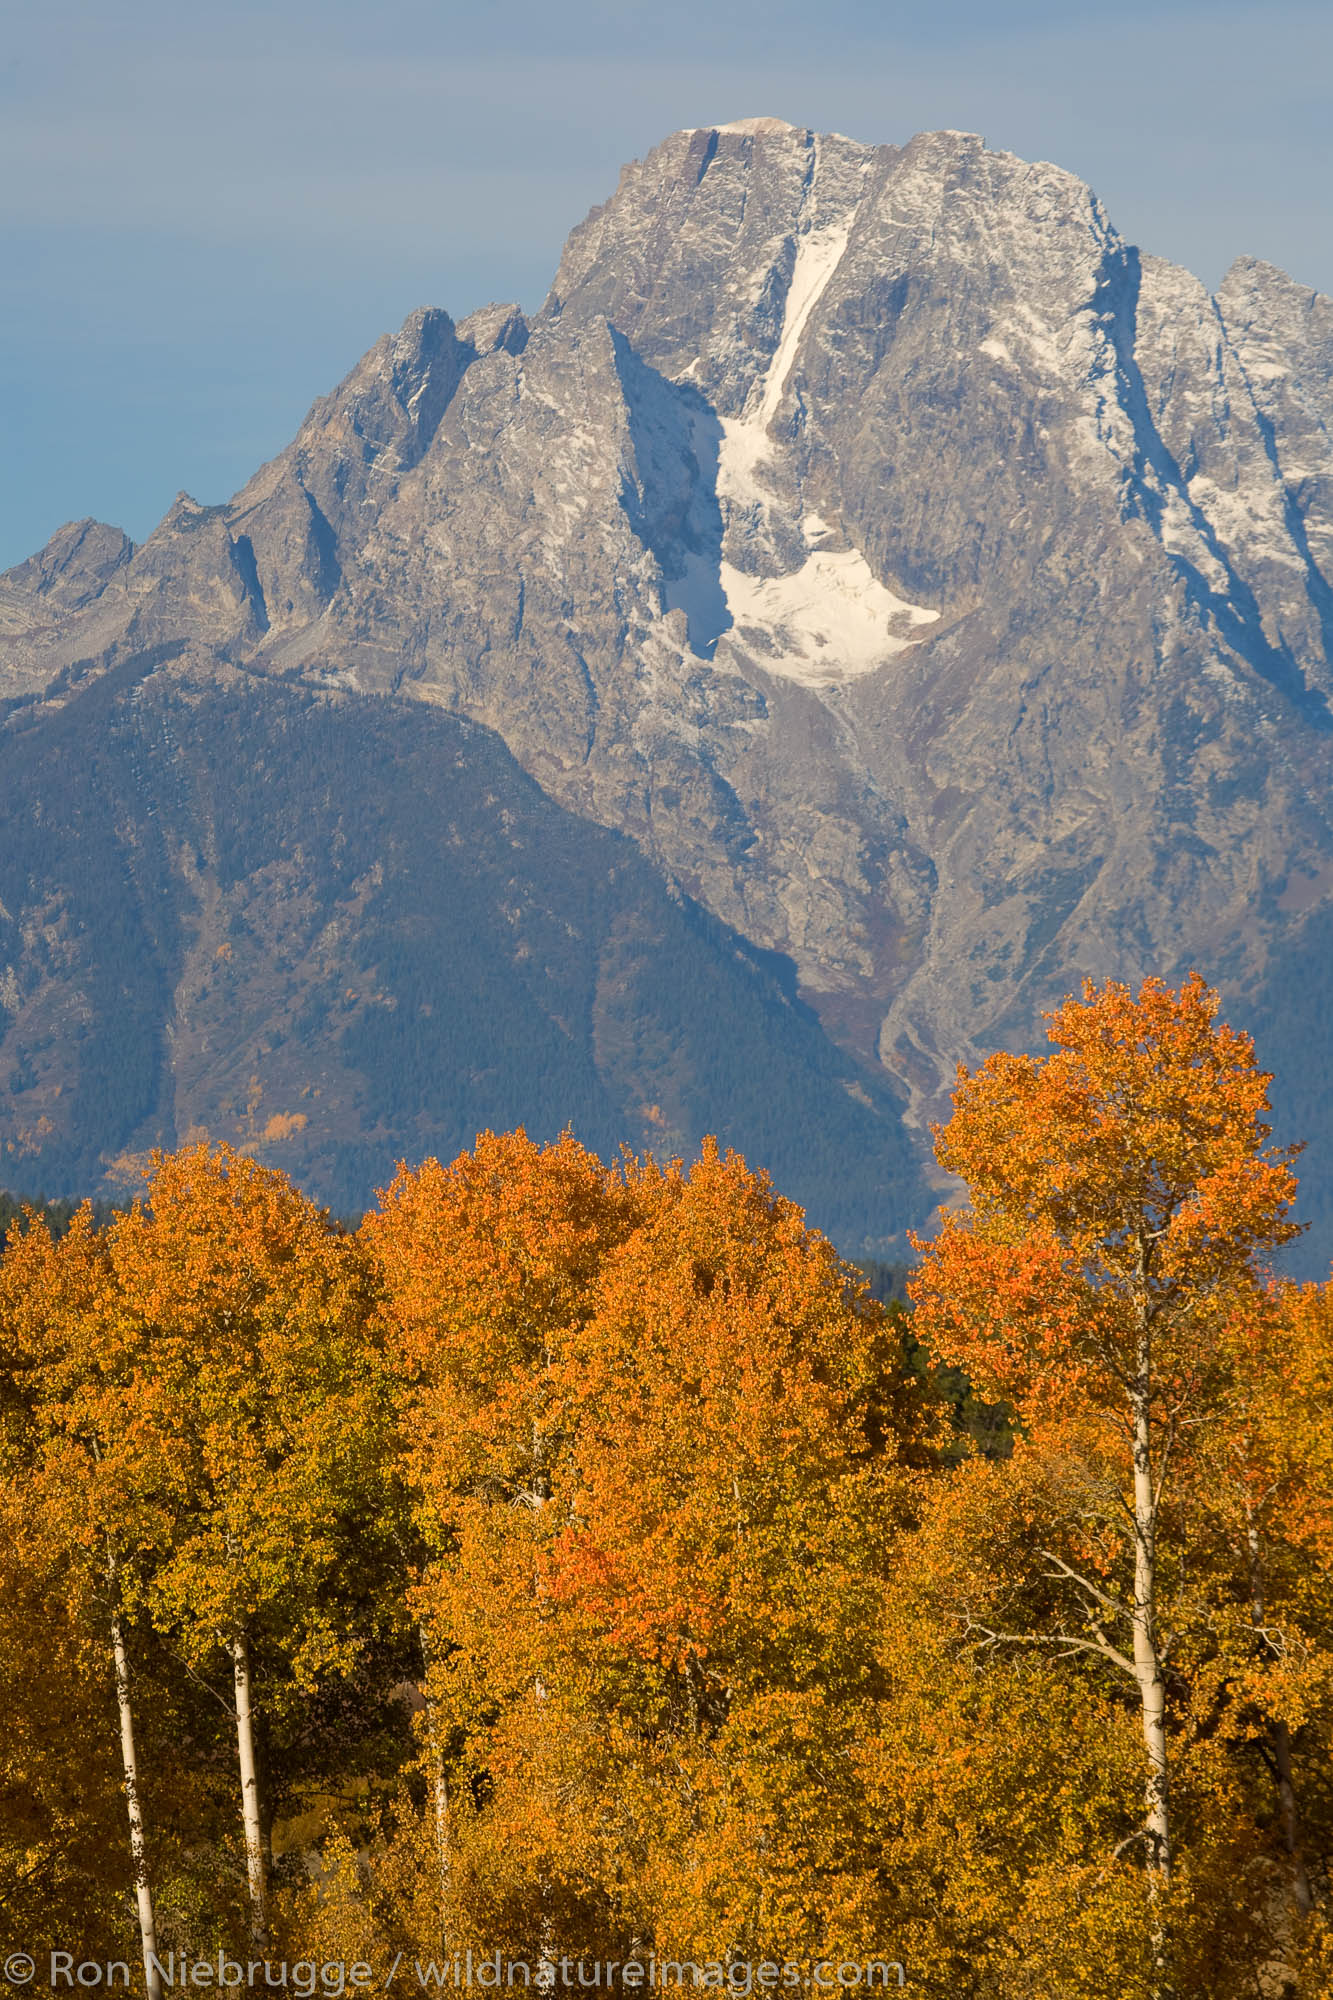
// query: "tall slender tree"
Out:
[259,1385]
[73,1377]
[485,1268]
[1123,1193]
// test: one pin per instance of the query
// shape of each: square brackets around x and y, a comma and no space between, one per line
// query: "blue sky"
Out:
[208,213]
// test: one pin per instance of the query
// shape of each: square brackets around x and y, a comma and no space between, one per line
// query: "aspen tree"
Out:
[740,1417]
[1123,1191]
[1266,1496]
[76,1372]
[643,1409]
[485,1267]
[260,1385]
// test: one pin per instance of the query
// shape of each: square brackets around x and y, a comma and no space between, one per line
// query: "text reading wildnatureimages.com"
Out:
[308,1980]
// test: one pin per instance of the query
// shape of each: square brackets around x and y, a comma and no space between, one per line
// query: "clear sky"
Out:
[208,213]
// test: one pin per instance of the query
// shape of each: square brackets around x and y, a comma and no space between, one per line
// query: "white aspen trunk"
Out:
[440,1790]
[143,1894]
[239,1648]
[547,1960]
[1148,1665]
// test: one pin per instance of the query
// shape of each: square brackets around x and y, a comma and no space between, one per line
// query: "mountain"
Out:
[343,931]
[933,588]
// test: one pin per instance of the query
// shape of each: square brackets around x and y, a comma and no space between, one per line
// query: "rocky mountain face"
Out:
[936,590]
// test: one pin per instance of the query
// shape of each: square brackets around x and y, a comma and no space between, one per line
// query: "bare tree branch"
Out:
[1099,1647]
[1102,1597]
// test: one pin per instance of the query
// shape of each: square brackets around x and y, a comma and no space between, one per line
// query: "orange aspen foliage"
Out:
[261,1413]
[1264,1513]
[1123,1192]
[726,1385]
[739,1412]
[84,1470]
[651,1419]
[483,1268]
[1128,1172]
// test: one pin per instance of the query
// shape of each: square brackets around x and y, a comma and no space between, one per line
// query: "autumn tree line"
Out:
[575,1560]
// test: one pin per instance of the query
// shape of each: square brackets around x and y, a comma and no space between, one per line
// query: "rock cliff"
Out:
[934,587]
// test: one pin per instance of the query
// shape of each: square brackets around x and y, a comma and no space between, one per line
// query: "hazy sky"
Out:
[208,213]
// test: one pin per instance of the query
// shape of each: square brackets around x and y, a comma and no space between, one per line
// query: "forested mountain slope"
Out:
[349,930]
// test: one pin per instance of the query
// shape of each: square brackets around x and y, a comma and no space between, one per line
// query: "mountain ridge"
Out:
[932,585]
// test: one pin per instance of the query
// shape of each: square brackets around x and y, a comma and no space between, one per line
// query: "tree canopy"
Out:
[576,1560]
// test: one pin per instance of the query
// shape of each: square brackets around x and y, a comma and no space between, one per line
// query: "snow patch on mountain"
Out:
[831,619]
[818,255]
[827,621]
